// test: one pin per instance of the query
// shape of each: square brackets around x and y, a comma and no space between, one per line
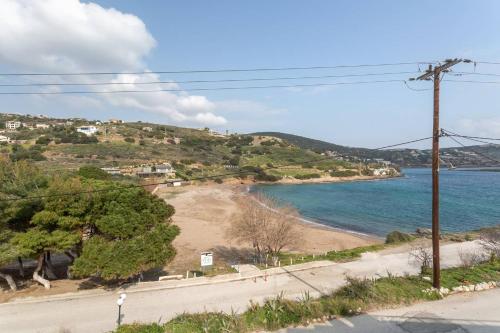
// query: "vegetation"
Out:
[358,295]
[93,172]
[108,230]
[344,173]
[398,237]
[268,226]
[308,176]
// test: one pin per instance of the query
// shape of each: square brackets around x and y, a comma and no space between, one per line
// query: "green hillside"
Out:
[473,156]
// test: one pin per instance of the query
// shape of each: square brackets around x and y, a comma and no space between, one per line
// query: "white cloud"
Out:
[71,36]
[480,127]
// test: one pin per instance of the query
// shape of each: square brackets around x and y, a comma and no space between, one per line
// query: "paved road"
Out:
[158,302]
[463,313]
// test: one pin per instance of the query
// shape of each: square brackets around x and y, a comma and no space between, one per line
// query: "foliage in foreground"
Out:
[358,295]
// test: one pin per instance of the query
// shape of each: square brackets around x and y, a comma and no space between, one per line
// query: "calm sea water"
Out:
[469,200]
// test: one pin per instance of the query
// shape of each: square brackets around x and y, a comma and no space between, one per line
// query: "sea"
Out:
[470,199]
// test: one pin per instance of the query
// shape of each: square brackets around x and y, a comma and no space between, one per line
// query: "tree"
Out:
[17,181]
[56,228]
[490,241]
[267,225]
[129,231]
[107,229]
[93,172]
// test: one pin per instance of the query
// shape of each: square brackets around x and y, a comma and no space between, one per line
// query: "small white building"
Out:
[12,125]
[42,126]
[4,138]
[87,130]
[165,169]
[147,129]
[112,171]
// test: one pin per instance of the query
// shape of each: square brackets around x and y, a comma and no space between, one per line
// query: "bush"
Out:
[218,180]
[307,176]
[262,176]
[43,140]
[129,140]
[20,153]
[93,172]
[344,173]
[398,237]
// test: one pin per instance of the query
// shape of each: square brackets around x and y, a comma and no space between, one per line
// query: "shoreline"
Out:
[319,225]
[294,181]
[205,214]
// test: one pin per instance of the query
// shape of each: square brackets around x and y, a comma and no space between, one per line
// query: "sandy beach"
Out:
[205,213]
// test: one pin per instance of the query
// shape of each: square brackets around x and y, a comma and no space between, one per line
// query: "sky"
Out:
[68,36]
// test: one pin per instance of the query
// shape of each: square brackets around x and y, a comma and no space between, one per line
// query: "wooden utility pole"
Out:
[435,73]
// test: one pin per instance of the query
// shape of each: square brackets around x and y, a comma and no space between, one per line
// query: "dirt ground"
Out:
[205,213]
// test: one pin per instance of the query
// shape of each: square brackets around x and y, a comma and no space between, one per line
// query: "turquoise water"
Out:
[469,200]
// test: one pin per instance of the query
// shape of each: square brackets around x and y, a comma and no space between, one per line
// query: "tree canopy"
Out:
[111,230]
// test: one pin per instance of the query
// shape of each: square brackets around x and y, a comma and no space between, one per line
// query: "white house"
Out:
[42,126]
[165,169]
[87,130]
[12,125]
[4,138]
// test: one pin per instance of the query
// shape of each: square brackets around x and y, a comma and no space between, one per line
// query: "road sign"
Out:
[207,259]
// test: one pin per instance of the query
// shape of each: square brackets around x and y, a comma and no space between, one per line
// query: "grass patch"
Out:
[337,256]
[358,295]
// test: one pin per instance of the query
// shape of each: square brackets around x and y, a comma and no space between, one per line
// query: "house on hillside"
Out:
[116,121]
[42,126]
[159,170]
[12,124]
[87,130]
[147,129]
[165,169]
[112,171]
[4,138]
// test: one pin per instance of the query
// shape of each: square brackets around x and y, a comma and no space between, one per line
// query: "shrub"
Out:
[307,176]
[218,180]
[262,176]
[129,140]
[398,237]
[43,140]
[93,172]
[344,173]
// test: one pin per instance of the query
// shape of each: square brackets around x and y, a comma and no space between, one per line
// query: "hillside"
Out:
[472,156]
[137,149]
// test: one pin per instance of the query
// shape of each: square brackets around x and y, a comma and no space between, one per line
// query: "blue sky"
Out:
[250,34]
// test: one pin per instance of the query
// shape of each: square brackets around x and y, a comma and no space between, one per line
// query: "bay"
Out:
[469,200]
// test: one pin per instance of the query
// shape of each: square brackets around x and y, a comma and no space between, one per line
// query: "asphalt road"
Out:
[97,312]
[477,312]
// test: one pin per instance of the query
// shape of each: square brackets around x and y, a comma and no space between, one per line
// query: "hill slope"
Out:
[478,155]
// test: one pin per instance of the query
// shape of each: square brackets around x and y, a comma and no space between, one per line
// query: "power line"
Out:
[196,89]
[227,70]
[44,84]
[415,89]
[403,143]
[473,73]
[472,138]
[473,150]
[236,173]
[473,81]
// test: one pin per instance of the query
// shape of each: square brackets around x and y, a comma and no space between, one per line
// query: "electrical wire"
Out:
[472,138]
[44,84]
[473,150]
[227,70]
[195,89]
[240,172]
